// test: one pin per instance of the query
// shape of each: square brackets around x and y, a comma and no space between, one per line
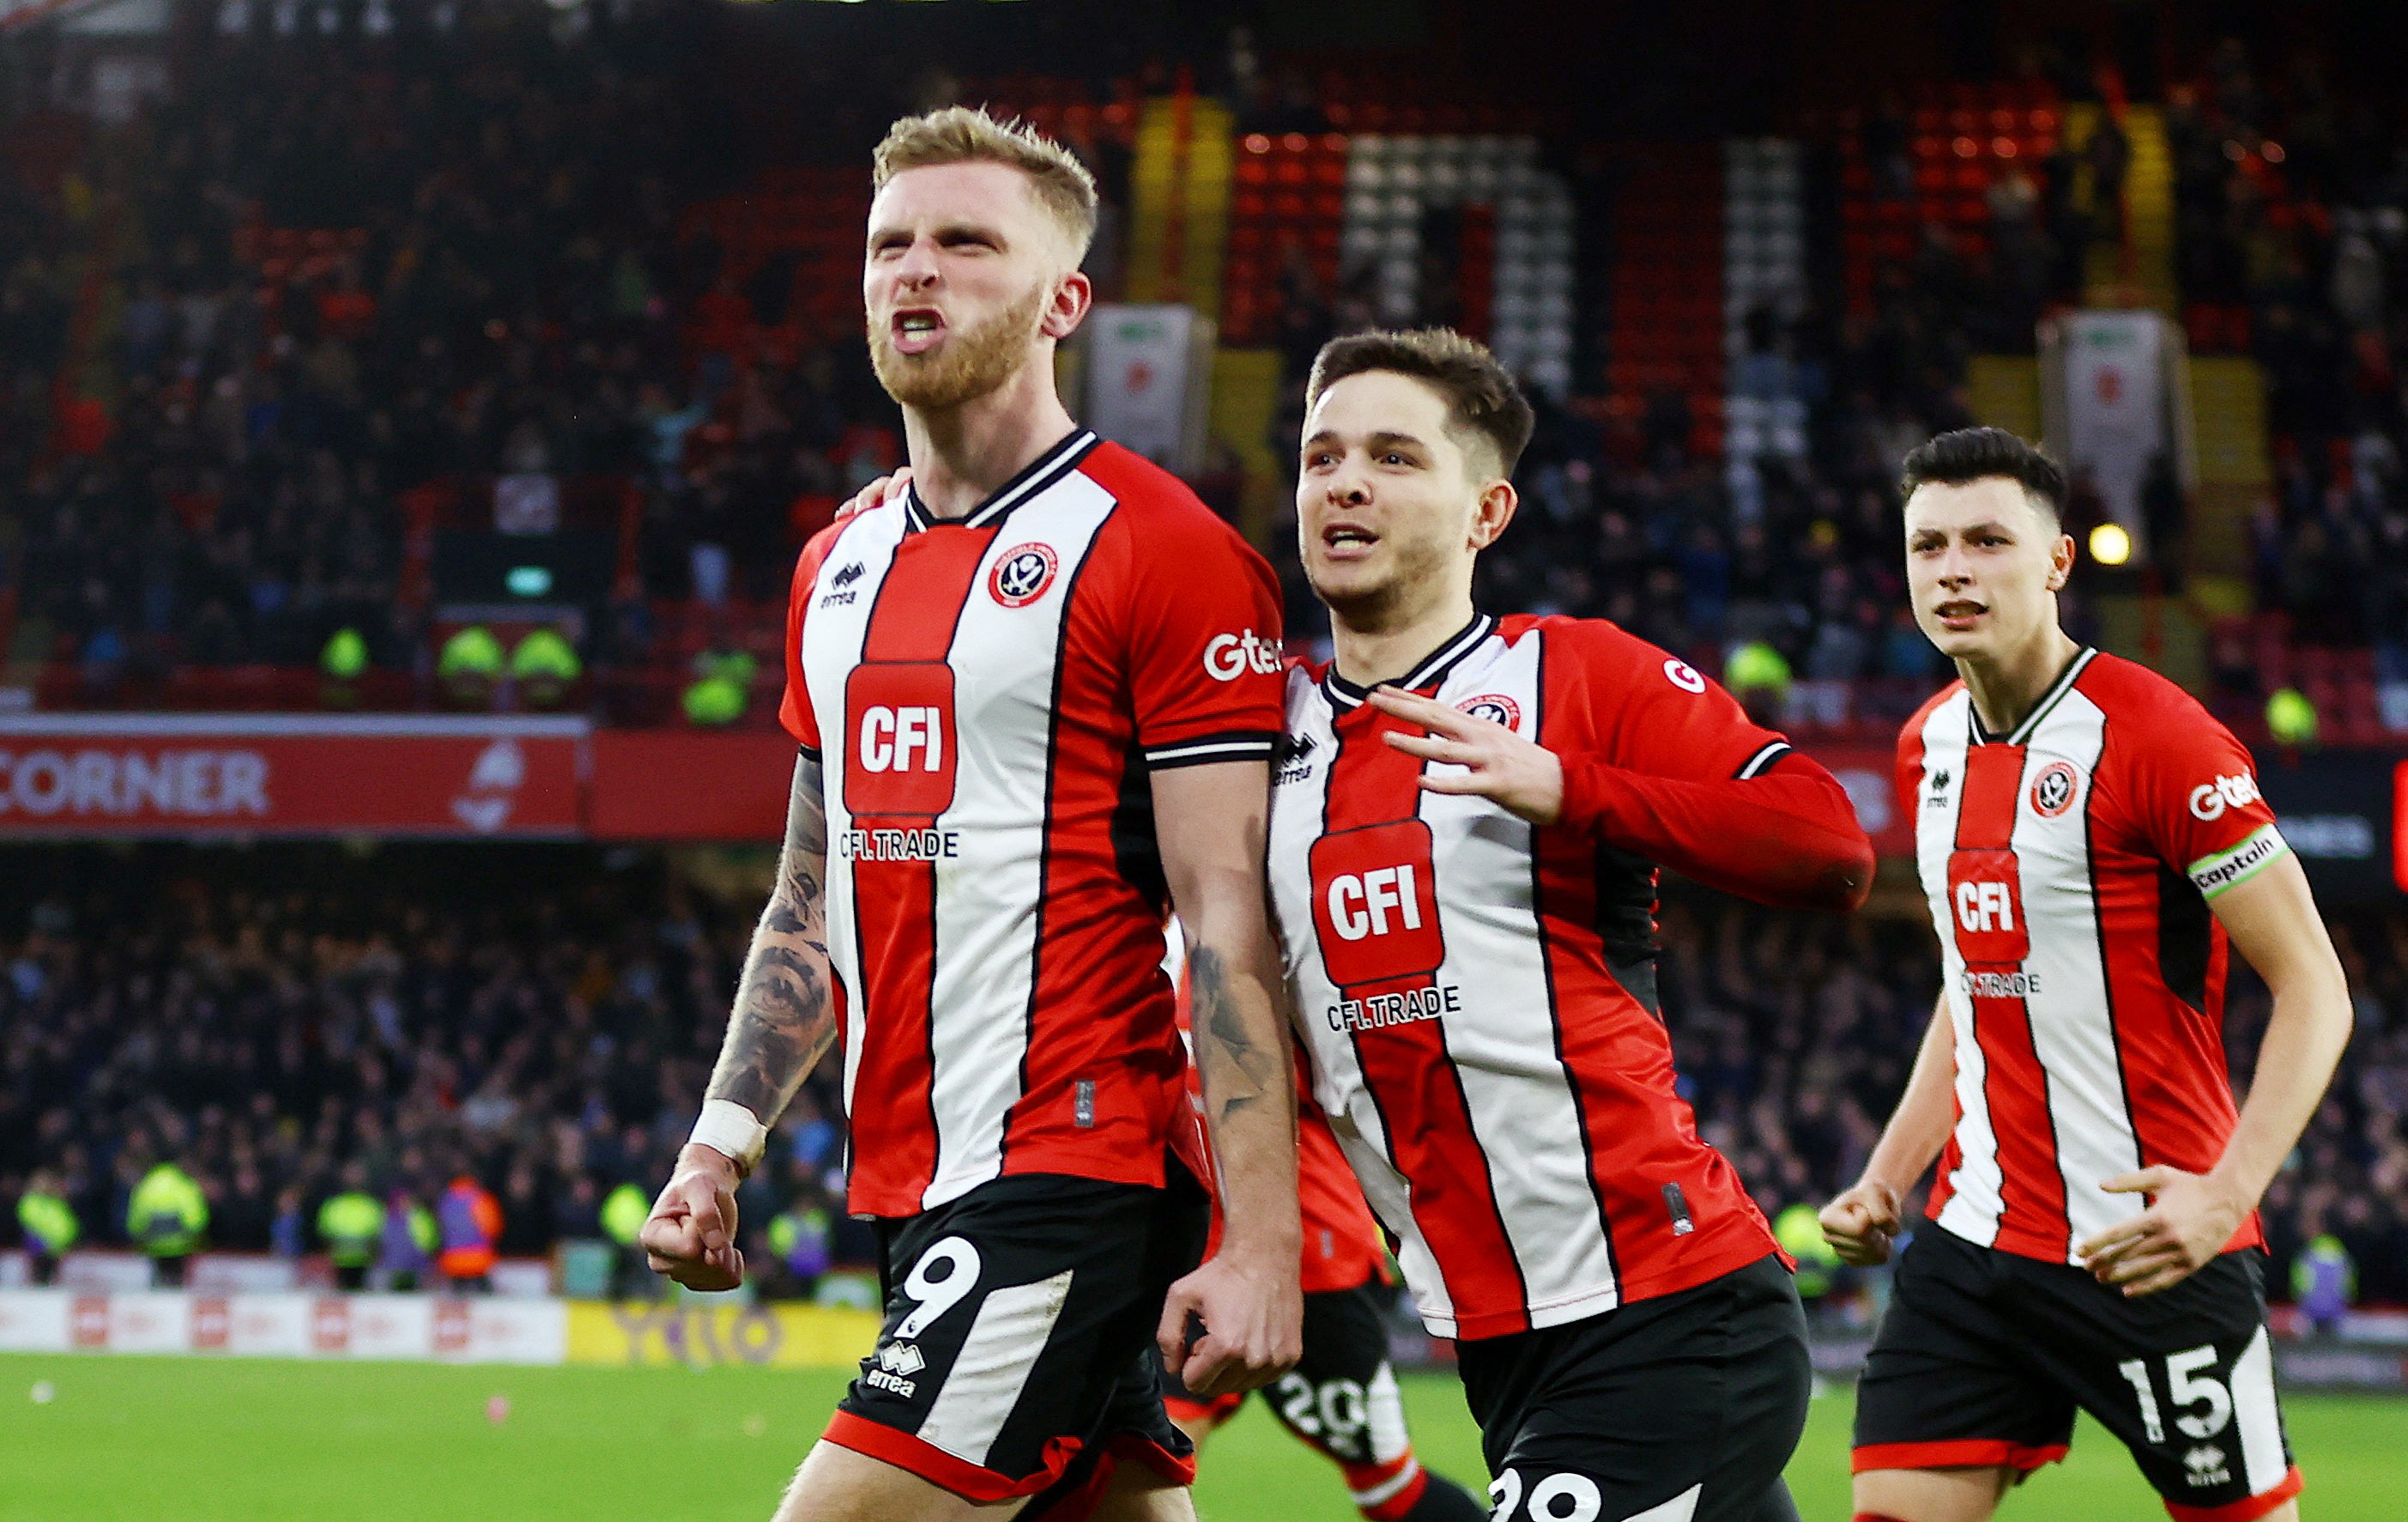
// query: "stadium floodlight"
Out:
[2110,544]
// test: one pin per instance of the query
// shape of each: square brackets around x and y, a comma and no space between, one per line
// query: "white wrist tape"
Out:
[729,1128]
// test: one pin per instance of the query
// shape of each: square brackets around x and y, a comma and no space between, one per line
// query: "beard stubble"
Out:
[971,362]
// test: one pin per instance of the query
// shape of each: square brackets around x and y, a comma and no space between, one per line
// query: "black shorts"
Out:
[1684,1406]
[1018,1350]
[1983,1355]
[1341,1397]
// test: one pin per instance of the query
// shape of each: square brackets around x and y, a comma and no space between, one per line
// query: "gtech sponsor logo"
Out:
[2209,800]
[1230,656]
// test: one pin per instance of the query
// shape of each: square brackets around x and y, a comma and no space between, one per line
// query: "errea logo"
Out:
[2209,800]
[1681,674]
[1230,656]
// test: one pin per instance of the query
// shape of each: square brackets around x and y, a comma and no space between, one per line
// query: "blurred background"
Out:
[410,412]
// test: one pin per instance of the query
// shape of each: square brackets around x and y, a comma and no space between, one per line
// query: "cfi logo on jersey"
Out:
[1021,575]
[2052,791]
[2209,800]
[1493,707]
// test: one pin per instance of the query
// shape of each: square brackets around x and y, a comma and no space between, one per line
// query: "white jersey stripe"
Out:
[840,631]
[2072,1027]
[1526,1116]
[989,907]
[1976,1186]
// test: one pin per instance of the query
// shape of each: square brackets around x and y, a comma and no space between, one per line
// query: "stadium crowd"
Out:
[265,1021]
[521,296]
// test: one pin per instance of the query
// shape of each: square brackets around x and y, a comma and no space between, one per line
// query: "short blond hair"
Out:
[967,135]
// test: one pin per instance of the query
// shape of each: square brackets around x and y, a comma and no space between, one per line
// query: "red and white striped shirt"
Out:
[2069,867]
[989,696]
[1478,995]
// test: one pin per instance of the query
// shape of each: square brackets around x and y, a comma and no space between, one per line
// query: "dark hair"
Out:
[1968,455]
[1481,395]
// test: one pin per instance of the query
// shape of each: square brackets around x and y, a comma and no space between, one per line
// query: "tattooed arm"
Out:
[1210,821]
[783,1022]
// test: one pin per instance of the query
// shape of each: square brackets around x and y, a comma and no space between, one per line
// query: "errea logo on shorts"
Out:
[2209,800]
[1230,656]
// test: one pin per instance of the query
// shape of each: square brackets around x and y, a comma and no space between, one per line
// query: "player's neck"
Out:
[2004,690]
[961,454]
[1371,649]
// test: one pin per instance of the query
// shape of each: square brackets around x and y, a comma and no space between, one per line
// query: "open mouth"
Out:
[918,329]
[1960,612]
[1347,541]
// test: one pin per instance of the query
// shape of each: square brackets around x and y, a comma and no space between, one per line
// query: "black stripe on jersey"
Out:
[1045,830]
[1031,480]
[808,753]
[1432,669]
[1235,745]
[1556,1017]
[1757,765]
[2184,940]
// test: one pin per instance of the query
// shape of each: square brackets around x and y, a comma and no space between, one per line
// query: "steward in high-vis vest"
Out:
[166,1218]
[352,1225]
[623,1212]
[49,1225]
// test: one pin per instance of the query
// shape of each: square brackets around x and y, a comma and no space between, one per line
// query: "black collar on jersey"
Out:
[2049,699]
[1039,473]
[1343,695]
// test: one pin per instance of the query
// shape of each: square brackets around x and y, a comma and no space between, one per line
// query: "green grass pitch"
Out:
[192,1440]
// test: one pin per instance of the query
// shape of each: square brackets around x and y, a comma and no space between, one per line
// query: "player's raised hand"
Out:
[1253,1314]
[875,494]
[1501,766]
[1862,1223]
[2187,1223]
[690,1235]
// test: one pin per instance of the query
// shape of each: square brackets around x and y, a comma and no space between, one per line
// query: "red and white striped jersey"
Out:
[1478,995]
[988,697]
[2068,867]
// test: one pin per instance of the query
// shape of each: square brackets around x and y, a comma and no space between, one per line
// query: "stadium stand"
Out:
[272,338]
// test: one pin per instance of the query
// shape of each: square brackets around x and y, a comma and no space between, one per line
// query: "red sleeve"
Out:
[795,709]
[1674,769]
[1205,670]
[2190,789]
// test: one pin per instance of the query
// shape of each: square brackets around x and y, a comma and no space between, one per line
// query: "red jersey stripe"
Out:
[1423,1109]
[2014,1085]
[913,621]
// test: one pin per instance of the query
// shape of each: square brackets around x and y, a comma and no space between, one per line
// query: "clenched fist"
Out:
[690,1235]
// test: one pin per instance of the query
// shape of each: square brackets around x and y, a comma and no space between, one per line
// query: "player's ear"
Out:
[2060,562]
[1073,294]
[1493,511]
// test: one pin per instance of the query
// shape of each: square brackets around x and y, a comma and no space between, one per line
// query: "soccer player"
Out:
[1467,823]
[1036,698]
[1341,1399]
[2088,839]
